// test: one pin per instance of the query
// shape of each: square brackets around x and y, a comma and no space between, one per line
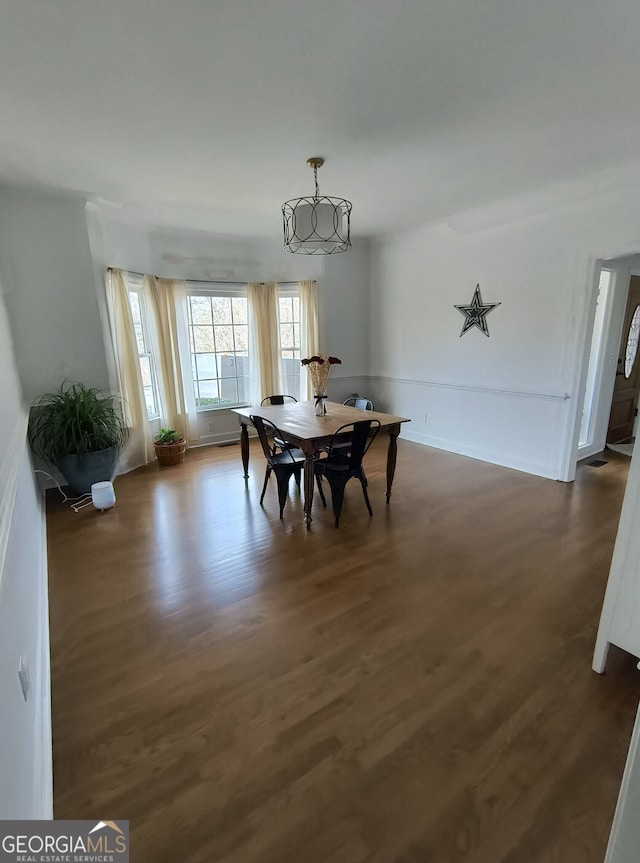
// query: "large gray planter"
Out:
[81,471]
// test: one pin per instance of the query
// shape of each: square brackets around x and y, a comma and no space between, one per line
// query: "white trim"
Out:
[491,456]
[44,749]
[9,468]
[474,389]
[621,815]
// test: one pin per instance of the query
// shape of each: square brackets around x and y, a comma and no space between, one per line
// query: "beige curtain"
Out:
[176,387]
[309,329]
[139,447]
[264,335]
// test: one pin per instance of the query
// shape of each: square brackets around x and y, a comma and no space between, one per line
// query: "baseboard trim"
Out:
[543,470]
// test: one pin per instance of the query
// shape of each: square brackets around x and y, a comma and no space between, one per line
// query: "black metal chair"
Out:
[339,466]
[361,403]
[284,464]
[278,400]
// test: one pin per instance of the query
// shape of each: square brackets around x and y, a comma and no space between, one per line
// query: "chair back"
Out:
[277,400]
[359,403]
[270,438]
[362,435]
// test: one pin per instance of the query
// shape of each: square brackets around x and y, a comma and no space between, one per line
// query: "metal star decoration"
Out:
[476,313]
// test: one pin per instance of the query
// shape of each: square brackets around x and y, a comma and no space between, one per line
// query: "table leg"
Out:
[392,454]
[308,488]
[244,448]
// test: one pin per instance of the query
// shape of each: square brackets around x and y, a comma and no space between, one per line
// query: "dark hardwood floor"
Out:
[411,687]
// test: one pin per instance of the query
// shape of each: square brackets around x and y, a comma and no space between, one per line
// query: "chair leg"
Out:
[283,478]
[321,490]
[266,482]
[337,496]
[296,474]
[363,483]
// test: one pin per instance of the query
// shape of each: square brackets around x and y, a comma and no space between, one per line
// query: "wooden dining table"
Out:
[300,426]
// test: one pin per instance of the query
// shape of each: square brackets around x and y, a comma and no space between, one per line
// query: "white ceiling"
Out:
[202,113]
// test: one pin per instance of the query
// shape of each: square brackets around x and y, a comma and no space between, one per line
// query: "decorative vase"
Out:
[319,406]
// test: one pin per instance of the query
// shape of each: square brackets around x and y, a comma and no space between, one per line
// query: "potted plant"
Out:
[170,447]
[81,431]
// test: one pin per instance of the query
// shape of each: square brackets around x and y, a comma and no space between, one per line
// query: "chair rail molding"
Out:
[524,394]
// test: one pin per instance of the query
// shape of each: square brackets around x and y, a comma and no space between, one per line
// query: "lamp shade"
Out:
[102,495]
[317,226]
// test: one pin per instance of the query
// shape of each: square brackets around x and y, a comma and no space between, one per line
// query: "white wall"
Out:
[46,267]
[26,789]
[500,398]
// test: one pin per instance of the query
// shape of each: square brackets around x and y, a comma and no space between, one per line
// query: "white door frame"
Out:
[623,267]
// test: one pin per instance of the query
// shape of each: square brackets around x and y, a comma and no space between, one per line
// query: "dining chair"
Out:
[277,400]
[361,403]
[339,466]
[284,464]
[279,443]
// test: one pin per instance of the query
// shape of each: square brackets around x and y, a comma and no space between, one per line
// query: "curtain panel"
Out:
[168,303]
[139,447]
[265,375]
[309,329]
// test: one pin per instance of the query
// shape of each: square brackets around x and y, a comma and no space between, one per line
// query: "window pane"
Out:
[140,338]
[224,339]
[209,390]
[632,343]
[201,310]
[149,398]
[239,306]
[203,339]
[221,310]
[242,338]
[229,390]
[145,371]
[285,309]
[134,302]
[286,336]
[206,366]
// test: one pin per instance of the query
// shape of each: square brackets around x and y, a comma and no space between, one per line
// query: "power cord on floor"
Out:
[81,501]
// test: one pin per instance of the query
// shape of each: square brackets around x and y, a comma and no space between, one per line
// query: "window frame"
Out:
[291,293]
[212,290]
[135,286]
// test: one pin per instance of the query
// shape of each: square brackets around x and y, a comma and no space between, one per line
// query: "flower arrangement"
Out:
[320,369]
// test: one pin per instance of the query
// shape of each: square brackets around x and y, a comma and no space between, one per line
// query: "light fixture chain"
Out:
[315,177]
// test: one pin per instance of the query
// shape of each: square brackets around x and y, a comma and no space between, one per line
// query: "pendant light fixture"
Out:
[318,225]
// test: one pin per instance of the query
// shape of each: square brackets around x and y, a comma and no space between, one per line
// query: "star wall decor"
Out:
[476,312]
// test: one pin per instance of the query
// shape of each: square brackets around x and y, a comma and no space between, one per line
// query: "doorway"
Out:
[612,318]
[622,417]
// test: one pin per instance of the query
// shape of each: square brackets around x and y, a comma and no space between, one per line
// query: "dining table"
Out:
[299,425]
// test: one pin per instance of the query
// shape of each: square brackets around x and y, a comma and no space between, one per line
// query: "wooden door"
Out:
[627,384]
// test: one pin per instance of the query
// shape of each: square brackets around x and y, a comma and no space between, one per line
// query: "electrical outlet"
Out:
[23,677]
[210,426]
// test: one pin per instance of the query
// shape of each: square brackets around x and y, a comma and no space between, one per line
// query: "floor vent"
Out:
[596,463]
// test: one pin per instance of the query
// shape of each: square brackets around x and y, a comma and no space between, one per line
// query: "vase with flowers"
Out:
[320,368]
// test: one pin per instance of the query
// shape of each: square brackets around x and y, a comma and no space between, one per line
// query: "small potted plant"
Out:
[170,447]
